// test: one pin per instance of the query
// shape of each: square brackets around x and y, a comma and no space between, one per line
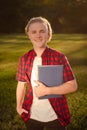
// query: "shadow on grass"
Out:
[80,124]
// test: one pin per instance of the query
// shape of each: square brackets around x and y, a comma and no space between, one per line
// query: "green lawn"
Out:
[74,46]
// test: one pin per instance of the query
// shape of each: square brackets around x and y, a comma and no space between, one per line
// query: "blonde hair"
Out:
[41,20]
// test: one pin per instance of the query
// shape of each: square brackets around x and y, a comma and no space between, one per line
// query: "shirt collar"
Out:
[44,52]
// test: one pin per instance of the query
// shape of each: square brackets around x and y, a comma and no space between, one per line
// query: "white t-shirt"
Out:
[41,109]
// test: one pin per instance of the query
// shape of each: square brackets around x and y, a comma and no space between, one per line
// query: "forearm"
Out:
[65,88]
[20,93]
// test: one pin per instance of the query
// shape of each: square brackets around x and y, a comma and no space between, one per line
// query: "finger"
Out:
[25,111]
[37,82]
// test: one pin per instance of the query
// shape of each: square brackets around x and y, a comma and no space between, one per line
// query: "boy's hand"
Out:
[20,110]
[40,89]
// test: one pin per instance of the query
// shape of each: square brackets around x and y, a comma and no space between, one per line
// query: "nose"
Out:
[38,34]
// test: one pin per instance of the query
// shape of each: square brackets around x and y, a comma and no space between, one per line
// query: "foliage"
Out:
[12,47]
[66,16]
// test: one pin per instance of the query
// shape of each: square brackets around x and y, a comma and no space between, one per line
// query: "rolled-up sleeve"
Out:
[21,75]
[67,71]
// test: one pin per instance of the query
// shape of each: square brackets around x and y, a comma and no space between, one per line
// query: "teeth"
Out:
[38,40]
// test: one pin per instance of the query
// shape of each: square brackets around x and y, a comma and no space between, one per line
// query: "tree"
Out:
[66,16]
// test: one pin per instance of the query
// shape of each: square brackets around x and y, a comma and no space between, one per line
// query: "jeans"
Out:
[37,125]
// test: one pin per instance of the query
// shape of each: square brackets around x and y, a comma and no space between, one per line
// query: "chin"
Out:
[41,46]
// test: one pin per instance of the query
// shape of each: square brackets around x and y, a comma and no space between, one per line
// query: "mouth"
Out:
[38,40]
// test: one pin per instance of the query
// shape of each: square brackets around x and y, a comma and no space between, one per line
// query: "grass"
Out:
[74,46]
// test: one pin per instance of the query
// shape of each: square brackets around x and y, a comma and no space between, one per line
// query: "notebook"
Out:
[50,75]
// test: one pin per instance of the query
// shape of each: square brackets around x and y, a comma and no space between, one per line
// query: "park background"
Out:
[69,22]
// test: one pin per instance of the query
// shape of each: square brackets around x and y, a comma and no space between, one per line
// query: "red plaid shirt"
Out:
[49,57]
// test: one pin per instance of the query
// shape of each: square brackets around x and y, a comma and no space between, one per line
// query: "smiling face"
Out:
[38,34]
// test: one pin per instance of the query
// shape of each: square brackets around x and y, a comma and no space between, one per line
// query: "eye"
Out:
[33,32]
[42,31]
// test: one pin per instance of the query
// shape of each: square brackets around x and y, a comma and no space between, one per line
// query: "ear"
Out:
[28,34]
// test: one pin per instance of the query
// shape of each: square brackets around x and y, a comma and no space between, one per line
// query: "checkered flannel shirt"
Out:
[49,57]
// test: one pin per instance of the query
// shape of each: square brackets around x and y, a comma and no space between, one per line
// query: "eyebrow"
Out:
[41,30]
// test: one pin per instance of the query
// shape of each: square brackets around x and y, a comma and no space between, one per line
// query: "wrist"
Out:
[19,106]
[48,90]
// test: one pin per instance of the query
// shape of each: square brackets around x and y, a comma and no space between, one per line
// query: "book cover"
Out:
[50,75]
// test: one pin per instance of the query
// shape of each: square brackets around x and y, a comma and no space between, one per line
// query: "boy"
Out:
[50,113]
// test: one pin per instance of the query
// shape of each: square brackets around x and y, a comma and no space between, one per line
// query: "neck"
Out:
[39,51]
